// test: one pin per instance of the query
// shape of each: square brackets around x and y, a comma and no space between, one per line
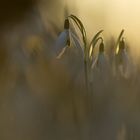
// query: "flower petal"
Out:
[101,63]
[61,42]
[124,65]
[94,62]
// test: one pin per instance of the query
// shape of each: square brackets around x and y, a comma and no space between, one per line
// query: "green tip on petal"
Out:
[66,24]
[101,47]
[122,44]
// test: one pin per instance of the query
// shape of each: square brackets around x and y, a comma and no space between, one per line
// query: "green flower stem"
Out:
[87,46]
[84,37]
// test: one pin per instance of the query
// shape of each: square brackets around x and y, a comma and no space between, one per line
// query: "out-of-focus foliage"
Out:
[13,11]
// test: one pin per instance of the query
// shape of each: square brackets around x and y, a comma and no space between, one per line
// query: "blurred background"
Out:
[42,97]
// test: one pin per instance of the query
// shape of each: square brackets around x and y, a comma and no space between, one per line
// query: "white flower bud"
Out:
[62,42]
[123,63]
[100,61]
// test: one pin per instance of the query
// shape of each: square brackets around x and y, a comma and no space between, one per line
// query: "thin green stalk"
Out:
[84,37]
[86,74]
[95,37]
[91,50]
[93,42]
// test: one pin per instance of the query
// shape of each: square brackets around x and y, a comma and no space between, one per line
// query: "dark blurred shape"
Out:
[13,11]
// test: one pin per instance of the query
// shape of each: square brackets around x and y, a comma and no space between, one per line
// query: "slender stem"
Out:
[86,75]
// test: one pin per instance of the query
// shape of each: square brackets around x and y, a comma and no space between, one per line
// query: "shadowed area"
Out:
[13,11]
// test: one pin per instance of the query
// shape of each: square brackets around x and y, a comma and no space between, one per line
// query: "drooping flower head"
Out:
[66,24]
[66,39]
[101,57]
[123,63]
[121,53]
[100,61]
[101,47]
[62,41]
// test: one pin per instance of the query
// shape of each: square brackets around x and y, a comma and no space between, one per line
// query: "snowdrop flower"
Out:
[100,71]
[123,64]
[66,39]
[63,40]
[100,74]
[68,49]
[100,61]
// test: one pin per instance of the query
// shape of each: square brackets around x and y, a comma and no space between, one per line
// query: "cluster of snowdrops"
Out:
[74,36]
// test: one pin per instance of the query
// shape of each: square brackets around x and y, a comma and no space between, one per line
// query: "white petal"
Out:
[61,53]
[126,67]
[100,62]
[94,62]
[61,42]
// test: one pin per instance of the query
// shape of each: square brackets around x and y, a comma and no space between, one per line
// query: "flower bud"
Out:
[66,24]
[122,45]
[101,47]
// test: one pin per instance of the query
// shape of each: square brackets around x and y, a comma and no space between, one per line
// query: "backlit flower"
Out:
[100,61]
[63,40]
[123,65]
[66,39]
